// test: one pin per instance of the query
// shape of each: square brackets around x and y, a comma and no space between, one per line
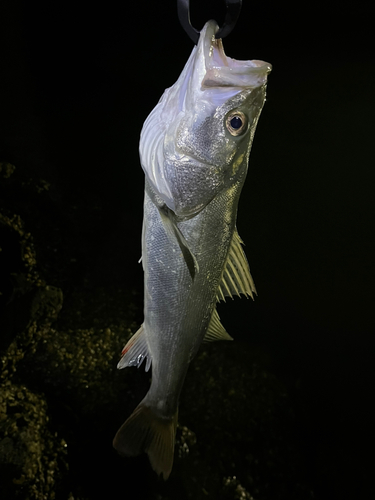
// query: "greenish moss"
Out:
[33,455]
[62,398]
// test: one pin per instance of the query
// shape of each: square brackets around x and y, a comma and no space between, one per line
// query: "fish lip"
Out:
[213,48]
[224,71]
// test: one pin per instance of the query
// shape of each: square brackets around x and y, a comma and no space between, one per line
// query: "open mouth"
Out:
[223,71]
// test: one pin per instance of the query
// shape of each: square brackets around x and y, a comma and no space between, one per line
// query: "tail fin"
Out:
[146,432]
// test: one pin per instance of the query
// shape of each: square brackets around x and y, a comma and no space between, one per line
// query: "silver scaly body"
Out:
[194,149]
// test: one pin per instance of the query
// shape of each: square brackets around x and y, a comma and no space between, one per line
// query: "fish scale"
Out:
[194,150]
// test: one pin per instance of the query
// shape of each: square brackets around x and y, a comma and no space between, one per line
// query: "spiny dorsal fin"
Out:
[236,277]
[135,351]
[215,330]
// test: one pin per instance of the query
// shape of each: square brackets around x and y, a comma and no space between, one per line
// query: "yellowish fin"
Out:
[215,330]
[144,431]
[236,279]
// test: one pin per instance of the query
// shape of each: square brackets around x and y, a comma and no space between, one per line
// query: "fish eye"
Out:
[236,123]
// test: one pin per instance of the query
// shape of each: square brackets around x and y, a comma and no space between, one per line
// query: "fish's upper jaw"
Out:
[223,71]
[216,53]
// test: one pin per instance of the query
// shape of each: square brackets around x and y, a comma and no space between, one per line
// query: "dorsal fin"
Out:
[236,277]
[215,330]
[135,351]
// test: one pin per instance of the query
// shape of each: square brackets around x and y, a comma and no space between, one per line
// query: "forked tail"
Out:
[144,431]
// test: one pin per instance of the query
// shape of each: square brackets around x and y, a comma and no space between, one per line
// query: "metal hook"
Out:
[233,11]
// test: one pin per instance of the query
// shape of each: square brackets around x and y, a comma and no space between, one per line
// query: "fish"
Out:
[194,150]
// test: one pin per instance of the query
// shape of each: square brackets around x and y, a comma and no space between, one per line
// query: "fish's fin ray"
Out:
[220,295]
[170,225]
[226,287]
[144,431]
[215,330]
[236,276]
[135,351]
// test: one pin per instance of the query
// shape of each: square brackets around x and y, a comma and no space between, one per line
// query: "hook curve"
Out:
[233,9]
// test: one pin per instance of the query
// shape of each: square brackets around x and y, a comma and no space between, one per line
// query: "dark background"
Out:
[77,82]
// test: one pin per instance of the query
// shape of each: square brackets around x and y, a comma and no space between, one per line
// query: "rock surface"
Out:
[62,399]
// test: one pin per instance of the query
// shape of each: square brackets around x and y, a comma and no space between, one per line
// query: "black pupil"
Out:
[236,122]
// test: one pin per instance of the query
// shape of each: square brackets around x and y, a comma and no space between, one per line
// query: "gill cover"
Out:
[169,144]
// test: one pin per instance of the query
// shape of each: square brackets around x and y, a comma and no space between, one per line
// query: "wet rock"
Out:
[241,418]
[18,277]
[32,457]
[52,379]
[62,398]
[27,306]
[234,490]
[6,169]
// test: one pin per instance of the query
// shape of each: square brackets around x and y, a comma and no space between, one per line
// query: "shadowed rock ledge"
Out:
[62,398]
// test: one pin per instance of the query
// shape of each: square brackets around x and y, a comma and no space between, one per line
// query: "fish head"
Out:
[196,142]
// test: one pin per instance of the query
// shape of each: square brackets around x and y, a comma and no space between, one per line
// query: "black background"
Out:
[77,82]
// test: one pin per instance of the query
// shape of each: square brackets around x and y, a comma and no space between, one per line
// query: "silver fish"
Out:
[194,150]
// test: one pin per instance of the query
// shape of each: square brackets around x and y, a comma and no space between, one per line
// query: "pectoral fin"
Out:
[169,221]
[236,277]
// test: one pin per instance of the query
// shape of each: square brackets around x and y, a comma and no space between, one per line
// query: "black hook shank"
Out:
[231,16]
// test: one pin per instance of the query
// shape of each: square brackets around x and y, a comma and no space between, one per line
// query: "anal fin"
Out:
[135,351]
[215,330]
[236,279]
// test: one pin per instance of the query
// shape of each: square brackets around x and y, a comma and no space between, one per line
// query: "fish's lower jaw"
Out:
[144,431]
